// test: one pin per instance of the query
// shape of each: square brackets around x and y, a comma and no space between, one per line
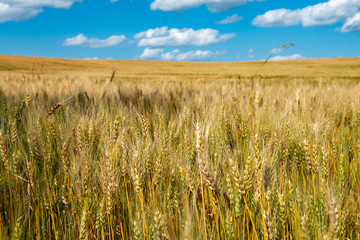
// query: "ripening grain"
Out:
[181,155]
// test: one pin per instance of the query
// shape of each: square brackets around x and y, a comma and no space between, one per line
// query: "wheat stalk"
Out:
[65,102]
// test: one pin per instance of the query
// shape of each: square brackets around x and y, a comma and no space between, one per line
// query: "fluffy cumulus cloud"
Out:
[231,19]
[160,37]
[212,5]
[9,13]
[151,53]
[291,57]
[352,24]
[177,55]
[83,41]
[21,10]
[326,13]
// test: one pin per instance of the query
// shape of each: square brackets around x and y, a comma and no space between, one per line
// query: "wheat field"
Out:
[106,149]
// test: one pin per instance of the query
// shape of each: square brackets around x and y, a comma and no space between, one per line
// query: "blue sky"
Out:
[175,30]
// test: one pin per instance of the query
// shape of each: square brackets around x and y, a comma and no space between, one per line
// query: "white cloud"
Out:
[251,53]
[21,10]
[352,24]
[160,37]
[40,3]
[212,5]
[326,13]
[151,53]
[91,58]
[82,40]
[277,50]
[9,13]
[189,56]
[291,57]
[280,17]
[231,19]
[177,55]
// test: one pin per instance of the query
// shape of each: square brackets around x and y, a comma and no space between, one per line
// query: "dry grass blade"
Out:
[286,46]
[56,106]
[112,76]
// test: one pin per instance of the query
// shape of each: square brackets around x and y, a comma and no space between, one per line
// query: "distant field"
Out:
[175,150]
[348,68]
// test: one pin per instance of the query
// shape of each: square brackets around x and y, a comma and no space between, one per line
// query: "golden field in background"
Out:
[176,150]
[311,68]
